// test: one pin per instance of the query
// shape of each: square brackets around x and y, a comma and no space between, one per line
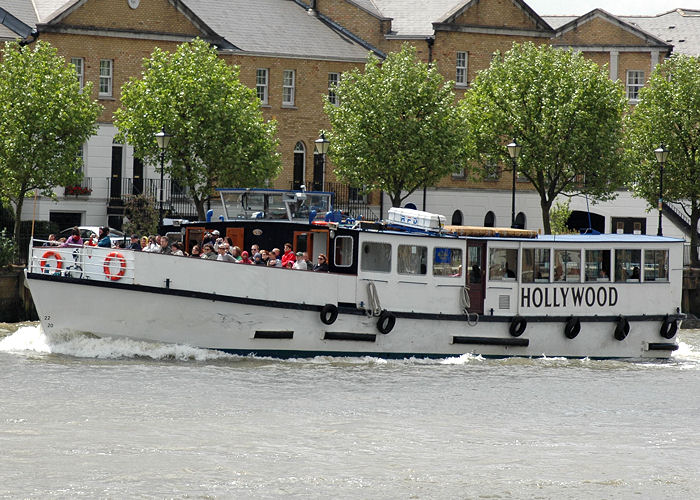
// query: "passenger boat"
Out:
[403,287]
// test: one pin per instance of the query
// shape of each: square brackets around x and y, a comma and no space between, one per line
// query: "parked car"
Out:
[85,231]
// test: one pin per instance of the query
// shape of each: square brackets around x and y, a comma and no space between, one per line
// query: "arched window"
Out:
[520,220]
[299,165]
[490,219]
[457,218]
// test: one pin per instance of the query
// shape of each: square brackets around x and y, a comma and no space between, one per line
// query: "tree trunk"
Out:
[18,221]
[694,218]
[546,205]
[199,205]
[395,199]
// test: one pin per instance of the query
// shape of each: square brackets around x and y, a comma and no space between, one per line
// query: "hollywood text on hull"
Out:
[406,286]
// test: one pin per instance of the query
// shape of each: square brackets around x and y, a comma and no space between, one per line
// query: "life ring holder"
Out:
[122,266]
[386,322]
[622,328]
[517,326]
[47,255]
[572,327]
[668,328]
[329,313]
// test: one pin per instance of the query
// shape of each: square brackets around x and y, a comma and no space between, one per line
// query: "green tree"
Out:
[396,127]
[565,112]
[142,216]
[45,118]
[219,135]
[669,113]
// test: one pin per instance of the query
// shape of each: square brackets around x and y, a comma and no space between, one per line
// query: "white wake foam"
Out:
[33,339]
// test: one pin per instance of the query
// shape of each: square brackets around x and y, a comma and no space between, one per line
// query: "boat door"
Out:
[236,235]
[476,275]
[314,242]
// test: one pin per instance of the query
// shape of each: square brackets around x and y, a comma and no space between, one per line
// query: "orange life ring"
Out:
[122,266]
[47,255]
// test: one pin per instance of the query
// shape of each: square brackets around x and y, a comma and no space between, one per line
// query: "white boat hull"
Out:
[242,325]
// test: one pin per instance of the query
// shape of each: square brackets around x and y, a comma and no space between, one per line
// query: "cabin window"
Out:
[627,265]
[342,250]
[376,257]
[597,265]
[567,265]
[535,266]
[655,265]
[447,262]
[503,264]
[412,259]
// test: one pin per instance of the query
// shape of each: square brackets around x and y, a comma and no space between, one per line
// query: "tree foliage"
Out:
[142,216]
[219,135]
[45,118]
[669,113]
[396,127]
[564,111]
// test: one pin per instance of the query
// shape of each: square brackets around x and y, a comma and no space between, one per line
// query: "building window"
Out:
[333,80]
[79,66]
[492,172]
[635,81]
[288,87]
[461,75]
[106,75]
[261,83]
[490,219]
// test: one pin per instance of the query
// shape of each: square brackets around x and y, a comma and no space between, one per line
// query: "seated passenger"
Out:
[74,240]
[208,252]
[289,255]
[300,263]
[104,239]
[322,264]
[244,258]
[635,273]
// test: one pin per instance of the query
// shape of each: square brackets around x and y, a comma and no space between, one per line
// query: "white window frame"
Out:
[461,67]
[79,65]
[106,77]
[333,81]
[262,79]
[635,81]
[288,87]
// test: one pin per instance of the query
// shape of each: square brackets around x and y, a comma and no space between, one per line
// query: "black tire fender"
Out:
[668,328]
[517,326]
[386,322]
[329,313]
[622,328]
[572,327]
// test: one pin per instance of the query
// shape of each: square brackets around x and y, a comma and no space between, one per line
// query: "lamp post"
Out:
[321,146]
[514,151]
[163,139]
[661,154]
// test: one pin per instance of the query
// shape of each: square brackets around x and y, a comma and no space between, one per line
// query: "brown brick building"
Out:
[292,52]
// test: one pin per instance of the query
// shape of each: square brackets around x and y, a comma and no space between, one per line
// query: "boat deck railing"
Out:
[86,262]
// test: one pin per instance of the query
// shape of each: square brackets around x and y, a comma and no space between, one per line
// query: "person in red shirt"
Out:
[288,255]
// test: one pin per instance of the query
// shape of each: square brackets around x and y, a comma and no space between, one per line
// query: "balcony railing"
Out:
[176,200]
